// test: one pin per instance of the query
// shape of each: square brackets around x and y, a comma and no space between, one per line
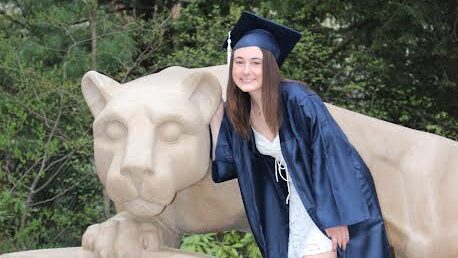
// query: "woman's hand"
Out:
[215,125]
[339,236]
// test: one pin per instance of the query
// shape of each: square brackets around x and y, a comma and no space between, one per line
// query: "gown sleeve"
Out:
[338,189]
[223,168]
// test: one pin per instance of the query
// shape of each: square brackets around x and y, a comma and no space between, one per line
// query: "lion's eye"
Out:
[115,130]
[169,132]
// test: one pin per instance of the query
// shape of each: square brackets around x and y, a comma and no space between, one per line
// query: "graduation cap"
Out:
[252,30]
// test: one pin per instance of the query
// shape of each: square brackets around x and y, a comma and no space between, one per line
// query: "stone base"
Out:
[70,252]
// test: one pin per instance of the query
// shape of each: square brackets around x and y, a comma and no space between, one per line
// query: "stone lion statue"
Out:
[152,145]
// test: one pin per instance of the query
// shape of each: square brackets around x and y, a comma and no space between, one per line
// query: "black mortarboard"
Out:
[252,30]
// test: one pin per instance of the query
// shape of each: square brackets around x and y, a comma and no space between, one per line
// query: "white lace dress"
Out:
[305,238]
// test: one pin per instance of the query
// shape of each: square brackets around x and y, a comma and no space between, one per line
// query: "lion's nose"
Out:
[137,162]
[137,174]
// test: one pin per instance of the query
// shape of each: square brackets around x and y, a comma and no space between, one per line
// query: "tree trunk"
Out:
[93,21]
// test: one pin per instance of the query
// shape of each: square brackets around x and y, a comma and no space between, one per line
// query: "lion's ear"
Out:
[205,92]
[97,90]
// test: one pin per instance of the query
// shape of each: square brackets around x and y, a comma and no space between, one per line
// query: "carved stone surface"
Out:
[151,147]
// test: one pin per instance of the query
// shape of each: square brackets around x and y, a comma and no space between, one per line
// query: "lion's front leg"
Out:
[124,237]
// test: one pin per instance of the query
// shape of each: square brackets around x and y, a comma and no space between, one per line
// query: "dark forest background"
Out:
[391,59]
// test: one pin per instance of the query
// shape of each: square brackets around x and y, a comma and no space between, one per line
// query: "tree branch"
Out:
[60,194]
[24,175]
[143,56]
[31,194]
[66,158]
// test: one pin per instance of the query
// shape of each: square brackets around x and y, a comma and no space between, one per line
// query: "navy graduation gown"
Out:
[332,180]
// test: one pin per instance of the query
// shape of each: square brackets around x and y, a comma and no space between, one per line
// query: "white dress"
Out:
[305,238]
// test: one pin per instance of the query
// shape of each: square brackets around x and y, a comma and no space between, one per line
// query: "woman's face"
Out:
[247,69]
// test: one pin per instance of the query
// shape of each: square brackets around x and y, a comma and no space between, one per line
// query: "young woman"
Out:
[307,192]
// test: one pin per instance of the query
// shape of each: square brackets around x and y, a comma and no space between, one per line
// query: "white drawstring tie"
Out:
[279,167]
[273,149]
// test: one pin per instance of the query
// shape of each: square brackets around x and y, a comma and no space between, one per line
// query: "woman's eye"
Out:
[115,130]
[239,62]
[169,132]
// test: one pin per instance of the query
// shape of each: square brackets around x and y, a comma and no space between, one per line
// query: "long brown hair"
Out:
[239,103]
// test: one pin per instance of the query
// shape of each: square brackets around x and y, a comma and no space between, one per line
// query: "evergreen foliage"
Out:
[393,60]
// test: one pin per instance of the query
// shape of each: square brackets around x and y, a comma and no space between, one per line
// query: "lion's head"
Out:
[151,135]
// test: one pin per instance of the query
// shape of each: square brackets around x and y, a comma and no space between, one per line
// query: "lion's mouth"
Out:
[142,208]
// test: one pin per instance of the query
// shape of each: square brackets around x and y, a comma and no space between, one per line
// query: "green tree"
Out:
[393,60]
[48,185]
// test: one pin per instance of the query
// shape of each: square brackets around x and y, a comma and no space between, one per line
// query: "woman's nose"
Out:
[246,68]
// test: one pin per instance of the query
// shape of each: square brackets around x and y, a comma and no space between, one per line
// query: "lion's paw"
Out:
[120,237]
